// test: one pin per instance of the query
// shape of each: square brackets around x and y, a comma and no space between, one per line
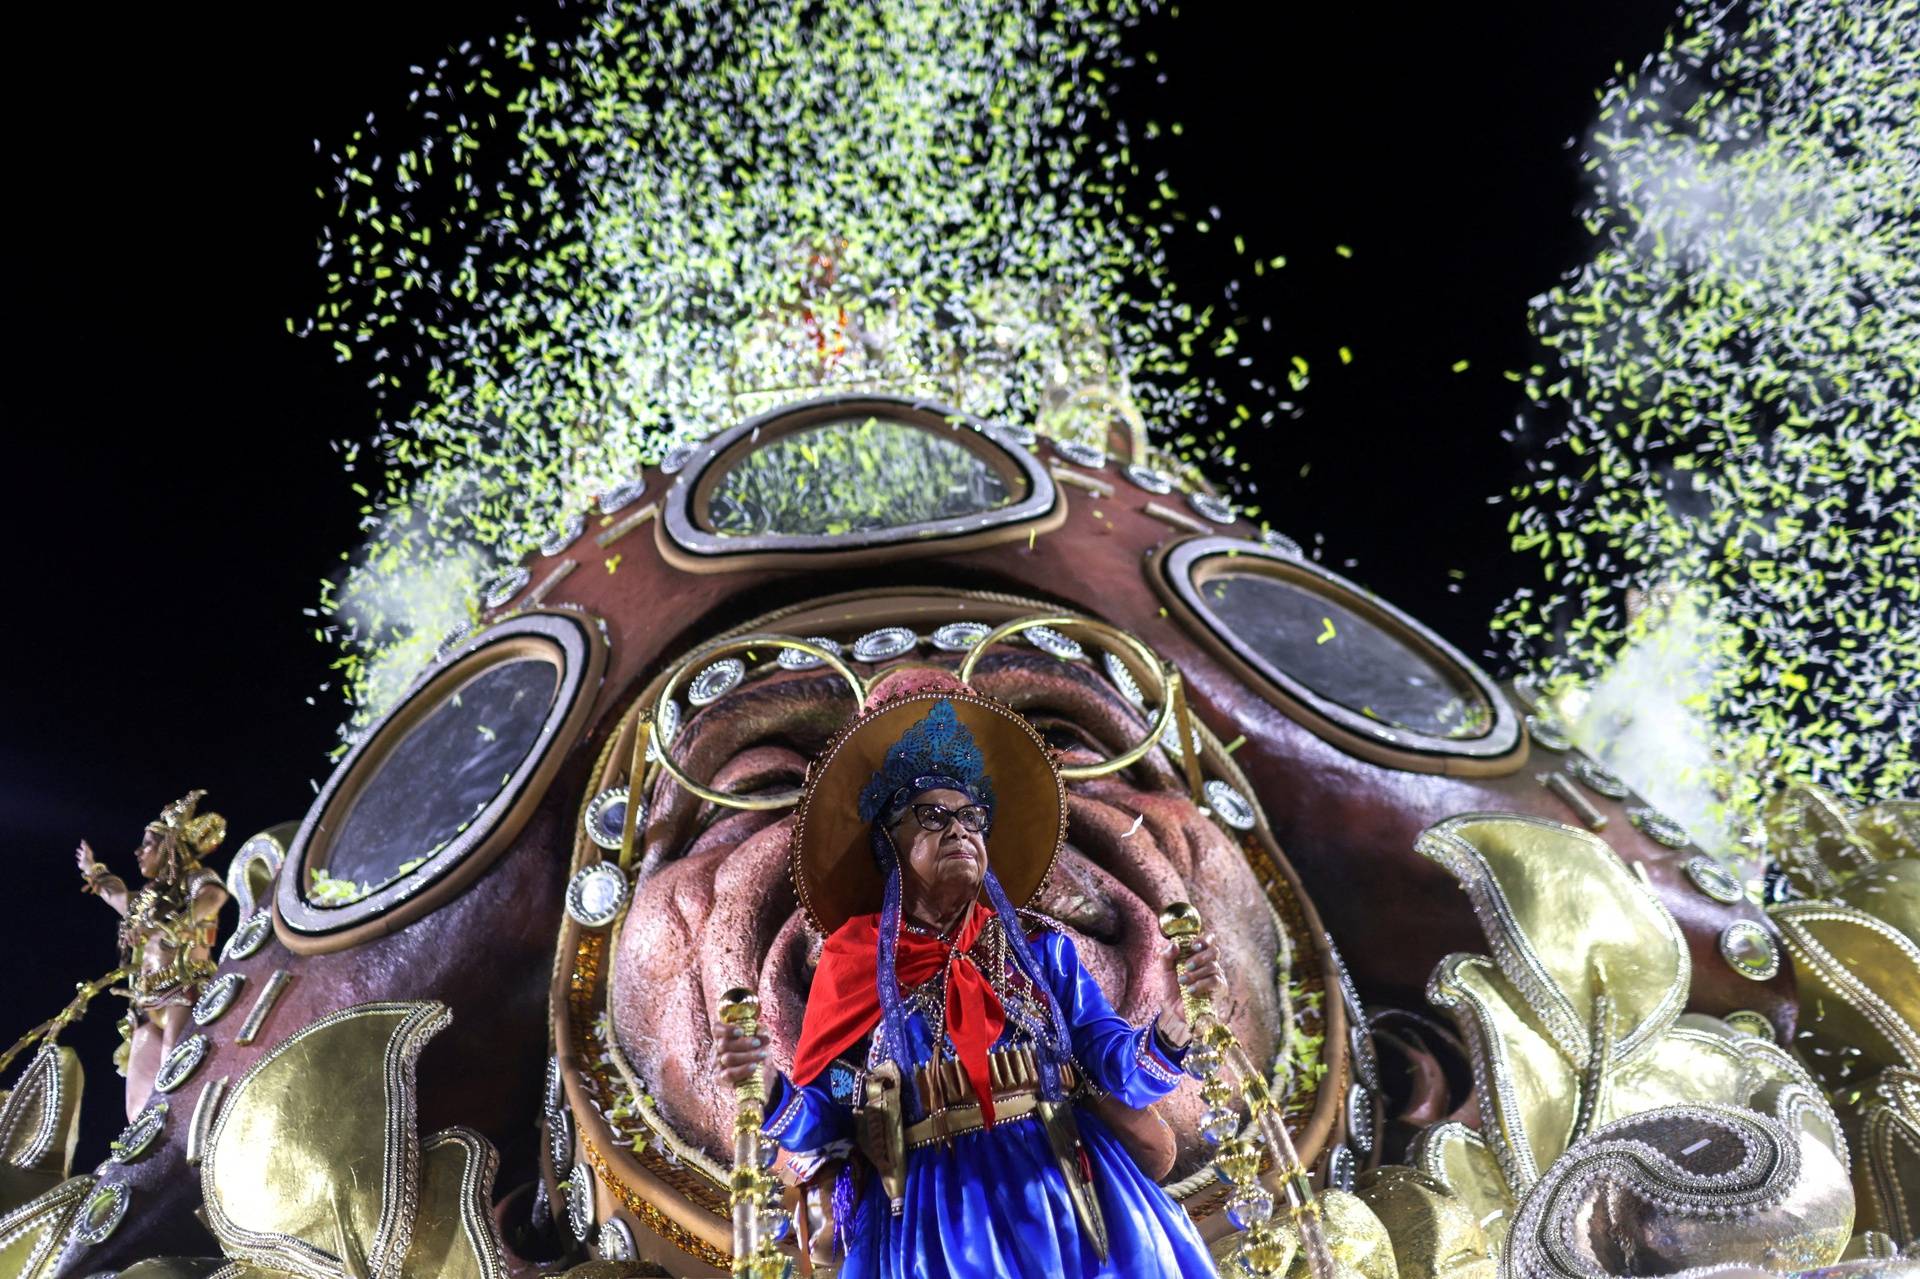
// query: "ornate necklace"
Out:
[1025,1015]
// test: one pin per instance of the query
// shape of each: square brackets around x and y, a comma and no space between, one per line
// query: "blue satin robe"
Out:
[993,1202]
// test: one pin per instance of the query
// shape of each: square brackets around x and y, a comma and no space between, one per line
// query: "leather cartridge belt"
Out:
[954,1110]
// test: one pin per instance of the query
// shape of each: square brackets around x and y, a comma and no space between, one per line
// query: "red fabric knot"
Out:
[844,1004]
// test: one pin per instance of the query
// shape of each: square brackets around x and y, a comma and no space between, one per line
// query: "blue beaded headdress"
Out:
[935,754]
[939,753]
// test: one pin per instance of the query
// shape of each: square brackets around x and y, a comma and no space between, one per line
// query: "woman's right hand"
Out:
[737,1056]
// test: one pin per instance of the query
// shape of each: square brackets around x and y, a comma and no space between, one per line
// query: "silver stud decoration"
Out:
[1014,434]
[1660,828]
[716,681]
[596,894]
[1275,540]
[616,1241]
[566,535]
[1547,732]
[1052,642]
[1713,879]
[504,585]
[677,458]
[1360,1046]
[553,1089]
[580,1202]
[1359,1036]
[958,637]
[1149,479]
[138,1136]
[452,639]
[181,1063]
[248,936]
[888,641]
[1170,740]
[1748,1022]
[1749,951]
[1360,1118]
[1081,454]
[1341,1169]
[620,496]
[1123,680]
[795,660]
[216,997]
[259,848]
[1229,804]
[559,1139]
[1596,777]
[252,872]
[606,817]
[101,1215]
[1217,509]
[669,728]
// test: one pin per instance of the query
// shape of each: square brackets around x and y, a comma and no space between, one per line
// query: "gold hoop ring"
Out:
[700,658]
[1115,636]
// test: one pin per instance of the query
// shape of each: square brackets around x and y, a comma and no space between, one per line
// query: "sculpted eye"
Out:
[441,785]
[1341,661]
[756,495]
[861,475]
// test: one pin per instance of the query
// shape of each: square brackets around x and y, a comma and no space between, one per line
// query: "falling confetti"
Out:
[1724,426]
[576,253]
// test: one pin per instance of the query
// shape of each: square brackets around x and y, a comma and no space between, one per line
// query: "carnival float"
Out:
[1488,1010]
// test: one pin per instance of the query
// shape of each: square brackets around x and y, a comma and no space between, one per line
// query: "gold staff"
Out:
[756,1246]
[1249,1207]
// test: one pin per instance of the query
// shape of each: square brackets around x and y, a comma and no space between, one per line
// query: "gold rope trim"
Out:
[642,1207]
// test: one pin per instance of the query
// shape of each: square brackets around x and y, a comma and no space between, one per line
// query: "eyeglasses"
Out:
[938,817]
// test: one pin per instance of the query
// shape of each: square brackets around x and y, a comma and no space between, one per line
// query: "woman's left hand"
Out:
[1200,971]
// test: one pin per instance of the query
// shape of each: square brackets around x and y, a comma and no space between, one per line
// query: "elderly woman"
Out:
[954,1051]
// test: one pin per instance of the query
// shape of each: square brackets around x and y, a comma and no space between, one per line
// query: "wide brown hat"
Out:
[833,866]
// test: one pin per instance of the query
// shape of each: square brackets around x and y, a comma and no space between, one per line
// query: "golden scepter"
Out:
[1238,1157]
[756,1246]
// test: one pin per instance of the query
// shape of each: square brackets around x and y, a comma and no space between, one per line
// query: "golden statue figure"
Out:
[166,933]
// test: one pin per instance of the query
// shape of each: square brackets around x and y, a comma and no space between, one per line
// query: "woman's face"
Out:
[939,864]
[149,855]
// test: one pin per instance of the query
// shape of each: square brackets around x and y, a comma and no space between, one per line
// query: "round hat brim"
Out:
[833,868]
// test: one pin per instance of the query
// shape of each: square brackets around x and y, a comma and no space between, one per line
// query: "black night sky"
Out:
[175,502]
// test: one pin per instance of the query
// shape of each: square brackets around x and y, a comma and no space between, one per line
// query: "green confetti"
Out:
[572,254]
[1723,438]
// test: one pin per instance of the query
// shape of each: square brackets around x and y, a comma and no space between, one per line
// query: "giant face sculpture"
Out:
[581,942]
[714,906]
